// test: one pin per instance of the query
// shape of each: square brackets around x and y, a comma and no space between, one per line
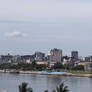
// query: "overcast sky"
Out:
[27,26]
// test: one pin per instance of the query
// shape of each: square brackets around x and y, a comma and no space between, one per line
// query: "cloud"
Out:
[15,34]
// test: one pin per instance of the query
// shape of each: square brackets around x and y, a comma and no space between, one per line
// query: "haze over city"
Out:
[45,45]
[27,26]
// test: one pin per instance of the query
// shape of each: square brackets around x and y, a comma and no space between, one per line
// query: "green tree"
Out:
[58,66]
[53,90]
[61,88]
[46,91]
[78,67]
[23,88]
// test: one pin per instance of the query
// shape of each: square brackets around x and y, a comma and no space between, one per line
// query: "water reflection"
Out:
[39,83]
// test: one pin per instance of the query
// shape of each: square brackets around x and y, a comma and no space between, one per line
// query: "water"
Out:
[51,72]
[39,83]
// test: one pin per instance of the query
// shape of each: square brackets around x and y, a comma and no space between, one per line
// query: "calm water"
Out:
[39,83]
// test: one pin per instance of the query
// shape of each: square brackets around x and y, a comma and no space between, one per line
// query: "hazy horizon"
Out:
[32,25]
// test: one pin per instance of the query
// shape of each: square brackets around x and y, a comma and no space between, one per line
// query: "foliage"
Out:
[46,91]
[61,88]
[23,66]
[78,67]
[41,67]
[23,88]
[34,67]
[67,67]
[58,66]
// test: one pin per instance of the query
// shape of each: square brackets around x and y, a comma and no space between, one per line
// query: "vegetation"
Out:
[59,67]
[23,88]
[78,67]
[67,67]
[79,72]
[60,88]
[24,67]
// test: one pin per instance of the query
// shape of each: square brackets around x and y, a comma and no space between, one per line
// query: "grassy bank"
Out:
[76,72]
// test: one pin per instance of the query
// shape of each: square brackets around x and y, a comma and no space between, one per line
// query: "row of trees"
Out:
[68,67]
[61,88]
[22,66]
[34,66]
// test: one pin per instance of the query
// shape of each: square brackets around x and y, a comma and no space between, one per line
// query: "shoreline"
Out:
[40,73]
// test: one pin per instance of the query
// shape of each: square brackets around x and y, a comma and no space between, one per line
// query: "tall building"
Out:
[74,55]
[55,55]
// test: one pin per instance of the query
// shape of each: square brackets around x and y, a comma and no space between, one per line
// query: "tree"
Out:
[78,67]
[58,66]
[23,88]
[53,90]
[46,91]
[61,88]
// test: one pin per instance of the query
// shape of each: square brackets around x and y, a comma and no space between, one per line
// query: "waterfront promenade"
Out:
[47,73]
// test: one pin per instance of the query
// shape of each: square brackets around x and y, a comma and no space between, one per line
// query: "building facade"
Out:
[55,55]
[74,55]
[39,56]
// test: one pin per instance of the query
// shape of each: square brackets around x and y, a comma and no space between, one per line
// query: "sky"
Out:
[27,26]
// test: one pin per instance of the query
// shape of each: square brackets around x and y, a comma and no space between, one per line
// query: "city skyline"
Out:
[48,53]
[45,45]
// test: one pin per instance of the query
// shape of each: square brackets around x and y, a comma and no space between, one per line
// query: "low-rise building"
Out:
[27,58]
[40,62]
[51,64]
[88,66]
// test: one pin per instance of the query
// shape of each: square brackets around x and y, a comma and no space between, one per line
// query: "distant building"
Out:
[55,55]
[27,58]
[40,62]
[68,61]
[65,60]
[82,63]
[51,64]
[88,66]
[90,58]
[86,59]
[6,58]
[74,55]
[39,56]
